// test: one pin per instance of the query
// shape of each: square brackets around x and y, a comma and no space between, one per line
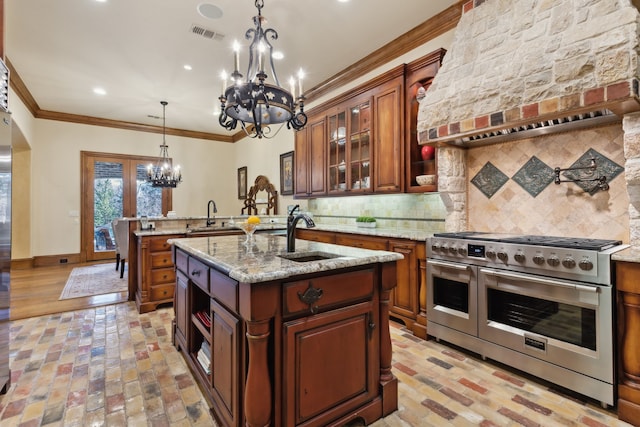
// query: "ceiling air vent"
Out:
[546,127]
[206,33]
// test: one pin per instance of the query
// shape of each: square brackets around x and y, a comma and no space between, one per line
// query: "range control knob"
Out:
[462,250]
[519,256]
[553,261]
[502,256]
[538,259]
[585,265]
[569,262]
[453,250]
[490,253]
[435,247]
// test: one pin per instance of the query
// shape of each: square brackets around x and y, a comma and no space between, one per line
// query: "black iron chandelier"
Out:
[254,103]
[163,174]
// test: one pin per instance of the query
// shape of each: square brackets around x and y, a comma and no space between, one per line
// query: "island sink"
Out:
[286,344]
[309,256]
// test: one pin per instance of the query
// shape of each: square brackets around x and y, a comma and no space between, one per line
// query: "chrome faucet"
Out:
[291,227]
[215,210]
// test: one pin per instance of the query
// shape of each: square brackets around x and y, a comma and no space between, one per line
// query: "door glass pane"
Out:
[148,198]
[107,203]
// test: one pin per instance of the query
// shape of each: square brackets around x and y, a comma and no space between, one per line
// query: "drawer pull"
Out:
[310,296]
[195,273]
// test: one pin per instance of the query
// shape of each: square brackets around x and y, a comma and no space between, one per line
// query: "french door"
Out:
[114,186]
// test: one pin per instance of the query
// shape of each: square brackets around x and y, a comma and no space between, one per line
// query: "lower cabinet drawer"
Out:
[358,242]
[162,292]
[161,259]
[199,274]
[328,292]
[163,275]
[182,260]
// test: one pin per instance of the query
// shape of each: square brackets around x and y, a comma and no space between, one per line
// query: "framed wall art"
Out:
[242,183]
[286,173]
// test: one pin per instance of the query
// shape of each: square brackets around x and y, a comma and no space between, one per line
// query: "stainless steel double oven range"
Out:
[543,305]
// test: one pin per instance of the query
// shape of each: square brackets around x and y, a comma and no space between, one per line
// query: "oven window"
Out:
[564,322]
[451,294]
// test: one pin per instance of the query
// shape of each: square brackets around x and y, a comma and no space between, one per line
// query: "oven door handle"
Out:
[525,278]
[462,267]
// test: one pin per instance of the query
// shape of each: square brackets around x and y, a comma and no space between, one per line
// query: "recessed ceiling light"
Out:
[277,55]
[210,11]
[187,67]
[101,1]
[99,91]
[343,1]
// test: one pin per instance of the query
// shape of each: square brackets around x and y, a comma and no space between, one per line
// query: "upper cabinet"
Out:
[388,145]
[311,159]
[418,77]
[350,147]
[365,141]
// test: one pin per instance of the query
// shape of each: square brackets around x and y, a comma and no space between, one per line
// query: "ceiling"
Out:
[136,51]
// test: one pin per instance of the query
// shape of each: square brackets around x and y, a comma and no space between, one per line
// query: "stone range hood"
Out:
[522,68]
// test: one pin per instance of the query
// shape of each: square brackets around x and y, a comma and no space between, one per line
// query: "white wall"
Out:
[208,173]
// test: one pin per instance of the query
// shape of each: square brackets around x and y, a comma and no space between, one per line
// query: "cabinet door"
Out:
[404,297]
[310,159]
[337,125]
[181,308]
[330,361]
[225,357]
[388,130]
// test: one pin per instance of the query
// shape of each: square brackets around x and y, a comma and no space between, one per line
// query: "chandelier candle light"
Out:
[163,174]
[253,101]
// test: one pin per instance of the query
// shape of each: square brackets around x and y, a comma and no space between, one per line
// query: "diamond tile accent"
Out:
[604,167]
[489,179]
[534,176]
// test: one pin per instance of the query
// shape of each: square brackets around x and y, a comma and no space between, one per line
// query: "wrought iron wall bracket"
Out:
[599,181]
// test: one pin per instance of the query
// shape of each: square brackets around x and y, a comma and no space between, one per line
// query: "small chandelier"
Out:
[163,174]
[253,101]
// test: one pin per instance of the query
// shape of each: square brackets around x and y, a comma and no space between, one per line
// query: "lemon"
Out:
[253,220]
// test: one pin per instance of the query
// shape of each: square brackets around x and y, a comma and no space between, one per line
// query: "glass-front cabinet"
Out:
[350,148]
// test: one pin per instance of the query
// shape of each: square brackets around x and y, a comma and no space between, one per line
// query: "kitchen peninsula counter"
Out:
[289,342]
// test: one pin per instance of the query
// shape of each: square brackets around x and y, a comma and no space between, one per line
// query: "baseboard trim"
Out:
[22,264]
[60,259]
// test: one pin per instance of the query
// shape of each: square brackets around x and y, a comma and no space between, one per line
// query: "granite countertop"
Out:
[259,261]
[630,254]
[204,229]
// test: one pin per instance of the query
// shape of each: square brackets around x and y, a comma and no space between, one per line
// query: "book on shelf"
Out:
[204,317]
[204,361]
[206,348]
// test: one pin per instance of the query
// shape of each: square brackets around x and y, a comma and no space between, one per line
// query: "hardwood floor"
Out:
[35,292]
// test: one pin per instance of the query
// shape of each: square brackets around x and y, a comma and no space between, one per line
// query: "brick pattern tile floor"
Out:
[110,366]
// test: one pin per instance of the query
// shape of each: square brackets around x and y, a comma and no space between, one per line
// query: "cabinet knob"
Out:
[195,273]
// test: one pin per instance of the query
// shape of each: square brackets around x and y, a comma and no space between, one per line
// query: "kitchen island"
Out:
[286,339]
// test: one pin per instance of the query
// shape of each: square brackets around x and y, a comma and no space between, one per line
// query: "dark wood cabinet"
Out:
[388,130]
[309,395]
[628,331]
[278,359]
[310,158]
[404,297]
[349,146]
[408,298]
